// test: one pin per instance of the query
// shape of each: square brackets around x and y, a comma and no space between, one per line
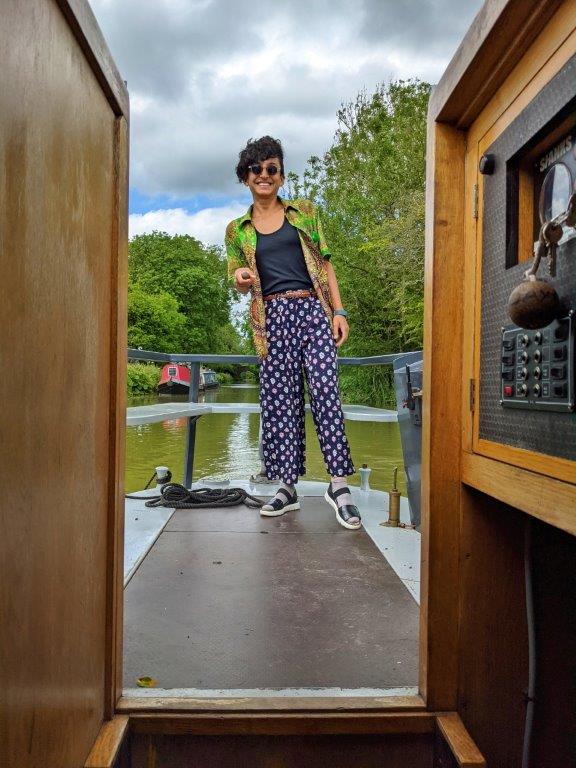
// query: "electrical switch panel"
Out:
[537,367]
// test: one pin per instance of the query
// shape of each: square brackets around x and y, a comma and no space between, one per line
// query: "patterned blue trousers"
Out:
[300,343]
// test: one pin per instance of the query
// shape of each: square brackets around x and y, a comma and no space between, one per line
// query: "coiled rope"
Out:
[178,497]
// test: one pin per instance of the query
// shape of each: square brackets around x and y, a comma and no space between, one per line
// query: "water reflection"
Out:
[227,444]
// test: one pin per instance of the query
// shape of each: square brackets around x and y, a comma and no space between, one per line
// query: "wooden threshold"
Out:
[285,705]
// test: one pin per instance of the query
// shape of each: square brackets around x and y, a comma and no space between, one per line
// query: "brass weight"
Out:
[393,504]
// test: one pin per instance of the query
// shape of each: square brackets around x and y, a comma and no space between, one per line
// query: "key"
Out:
[552,234]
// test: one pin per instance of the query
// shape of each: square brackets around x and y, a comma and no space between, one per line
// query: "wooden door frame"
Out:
[495,45]
[86,31]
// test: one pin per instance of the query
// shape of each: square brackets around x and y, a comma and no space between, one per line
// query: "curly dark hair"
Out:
[255,152]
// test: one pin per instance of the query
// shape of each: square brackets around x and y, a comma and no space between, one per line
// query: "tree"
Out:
[193,275]
[370,185]
[154,322]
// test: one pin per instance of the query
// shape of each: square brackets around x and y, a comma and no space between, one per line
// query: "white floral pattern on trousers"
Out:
[300,343]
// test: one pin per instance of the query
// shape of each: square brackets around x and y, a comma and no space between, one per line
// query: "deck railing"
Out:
[195,361]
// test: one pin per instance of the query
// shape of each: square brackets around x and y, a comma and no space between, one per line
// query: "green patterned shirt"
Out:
[241,252]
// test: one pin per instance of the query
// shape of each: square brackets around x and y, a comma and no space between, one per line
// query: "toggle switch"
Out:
[559,390]
[508,375]
[561,332]
[524,356]
[525,340]
[560,352]
[537,355]
[508,359]
[536,389]
[558,372]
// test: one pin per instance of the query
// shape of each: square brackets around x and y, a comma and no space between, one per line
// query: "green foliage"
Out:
[225,378]
[142,378]
[370,185]
[154,322]
[195,277]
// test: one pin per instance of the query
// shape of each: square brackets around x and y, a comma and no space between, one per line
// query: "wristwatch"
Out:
[341,312]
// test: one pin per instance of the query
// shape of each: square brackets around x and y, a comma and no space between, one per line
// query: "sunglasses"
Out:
[257,169]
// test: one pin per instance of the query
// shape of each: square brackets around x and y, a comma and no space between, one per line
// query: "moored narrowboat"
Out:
[175,379]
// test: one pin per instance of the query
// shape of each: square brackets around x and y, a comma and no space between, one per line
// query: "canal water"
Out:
[227,444]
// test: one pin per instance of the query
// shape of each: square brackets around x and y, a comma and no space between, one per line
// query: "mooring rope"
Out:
[177,496]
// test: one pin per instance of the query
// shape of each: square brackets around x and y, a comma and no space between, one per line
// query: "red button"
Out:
[508,391]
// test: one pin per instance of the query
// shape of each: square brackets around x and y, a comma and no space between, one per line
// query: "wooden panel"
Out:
[85,28]
[282,751]
[545,57]
[555,44]
[499,36]
[107,746]
[493,637]
[554,735]
[442,415]
[59,319]
[545,498]
[118,353]
[283,723]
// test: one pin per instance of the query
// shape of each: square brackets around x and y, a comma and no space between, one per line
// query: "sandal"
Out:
[348,514]
[277,507]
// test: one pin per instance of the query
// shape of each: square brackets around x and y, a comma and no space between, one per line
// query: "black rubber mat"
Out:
[228,599]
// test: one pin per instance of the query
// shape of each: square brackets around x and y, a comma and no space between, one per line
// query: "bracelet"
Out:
[341,312]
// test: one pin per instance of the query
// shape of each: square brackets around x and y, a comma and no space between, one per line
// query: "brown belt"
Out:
[303,294]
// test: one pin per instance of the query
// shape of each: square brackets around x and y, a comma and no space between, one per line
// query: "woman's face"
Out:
[264,185]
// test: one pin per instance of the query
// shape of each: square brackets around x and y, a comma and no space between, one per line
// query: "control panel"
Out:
[537,369]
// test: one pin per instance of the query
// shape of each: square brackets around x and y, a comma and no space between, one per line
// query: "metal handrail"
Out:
[169,357]
[196,360]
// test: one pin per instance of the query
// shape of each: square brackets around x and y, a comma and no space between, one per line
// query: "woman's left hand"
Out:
[340,329]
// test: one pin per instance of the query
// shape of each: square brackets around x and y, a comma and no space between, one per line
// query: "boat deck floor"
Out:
[226,599]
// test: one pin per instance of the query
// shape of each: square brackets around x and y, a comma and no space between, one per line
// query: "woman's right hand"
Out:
[244,278]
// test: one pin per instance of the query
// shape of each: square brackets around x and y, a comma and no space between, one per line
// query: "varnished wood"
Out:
[539,463]
[59,323]
[300,751]
[545,498]
[548,53]
[442,416]
[553,47]
[117,446]
[273,703]
[107,745]
[458,739]
[283,724]
[493,648]
[84,26]
[472,225]
[499,36]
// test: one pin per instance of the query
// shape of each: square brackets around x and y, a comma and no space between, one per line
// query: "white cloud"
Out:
[207,225]
[206,75]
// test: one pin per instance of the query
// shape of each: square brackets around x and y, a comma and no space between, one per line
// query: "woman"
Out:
[278,252]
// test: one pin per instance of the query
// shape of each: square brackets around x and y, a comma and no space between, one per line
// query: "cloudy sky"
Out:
[206,75]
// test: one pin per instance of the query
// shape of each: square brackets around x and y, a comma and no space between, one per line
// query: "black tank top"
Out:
[280,261]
